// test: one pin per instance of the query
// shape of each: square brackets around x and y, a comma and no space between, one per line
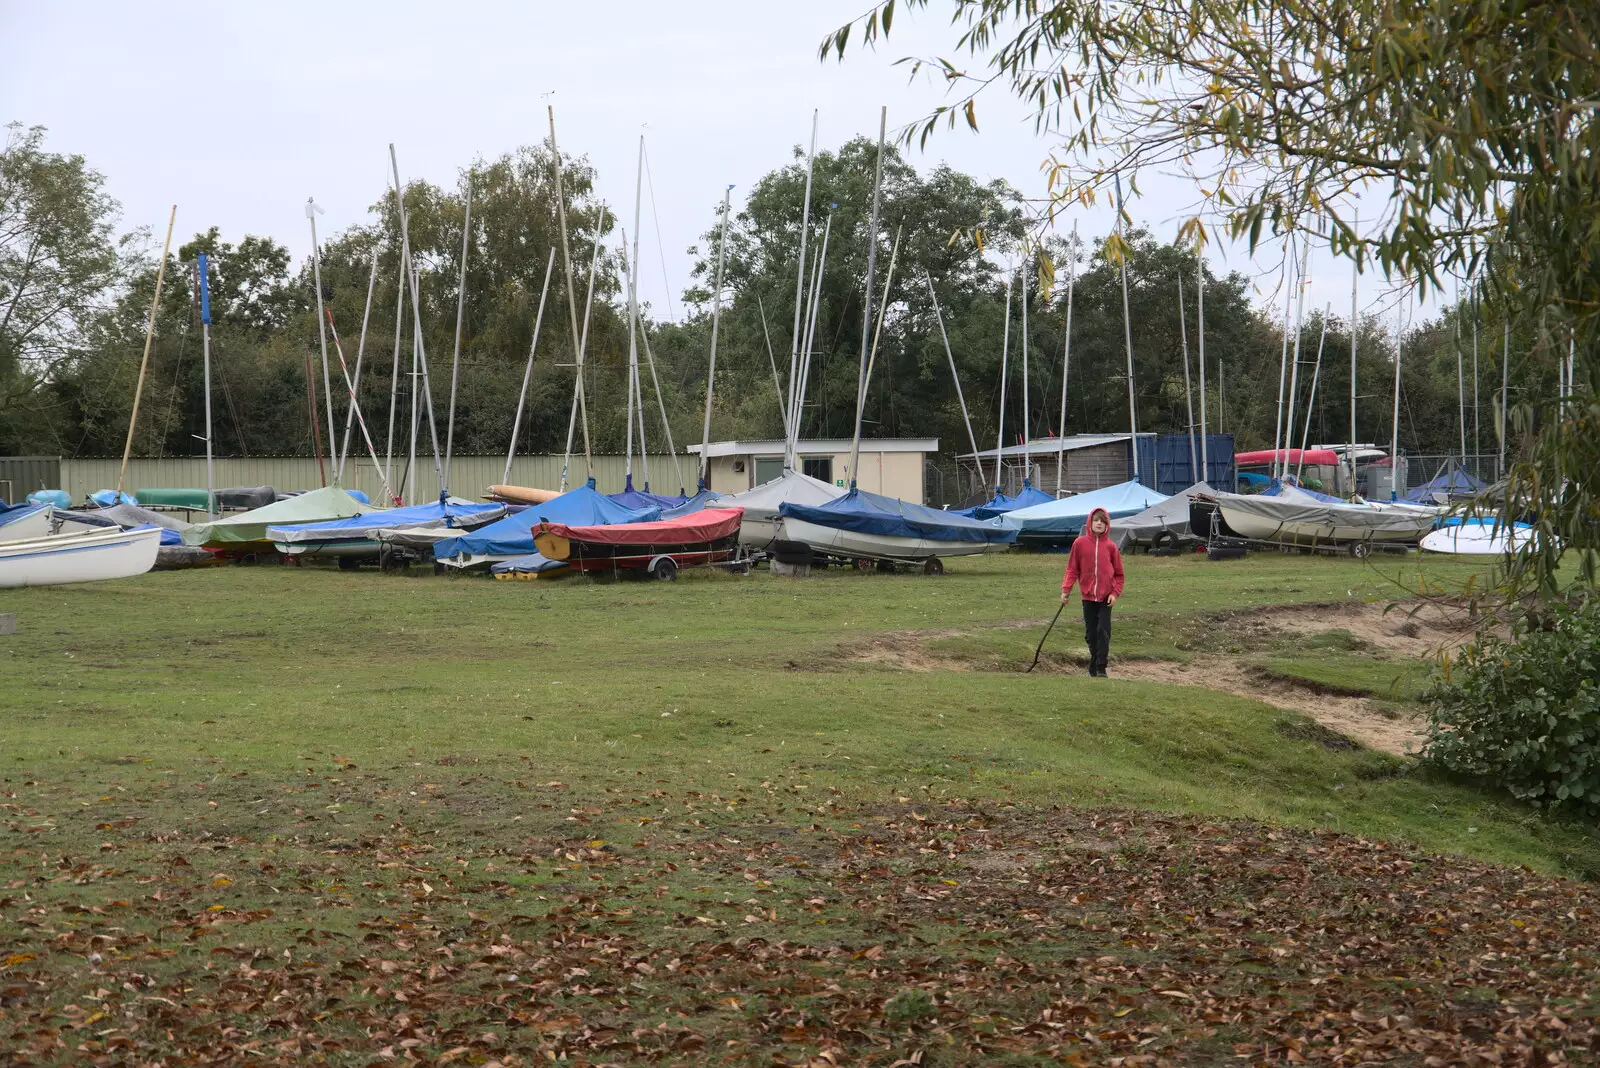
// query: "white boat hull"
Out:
[87,557]
[852,543]
[1323,524]
[1478,539]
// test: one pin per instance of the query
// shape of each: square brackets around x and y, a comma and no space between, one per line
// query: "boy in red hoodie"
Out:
[1097,563]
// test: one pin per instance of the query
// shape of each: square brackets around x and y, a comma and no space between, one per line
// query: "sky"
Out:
[237,113]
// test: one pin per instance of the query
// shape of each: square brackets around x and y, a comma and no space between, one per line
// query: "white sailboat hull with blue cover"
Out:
[836,541]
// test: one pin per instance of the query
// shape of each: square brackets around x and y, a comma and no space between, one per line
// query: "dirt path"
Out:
[1419,633]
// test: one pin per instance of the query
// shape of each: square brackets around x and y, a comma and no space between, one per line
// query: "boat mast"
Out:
[205,348]
[772,362]
[1505,396]
[583,348]
[716,322]
[1188,391]
[527,373]
[1283,355]
[661,404]
[361,348]
[811,326]
[312,211]
[633,302]
[1127,334]
[455,354]
[1027,416]
[1477,443]
[1394,426]
[791,454]
[419,349]
[355,403]
[1066,355]
[572,300]
[1294,369]
[144,361]
[1005,354]
[1316,373]
[954,374]
[1200,332]
[1461,378]
[1355,330]
[866,315]
[394,371]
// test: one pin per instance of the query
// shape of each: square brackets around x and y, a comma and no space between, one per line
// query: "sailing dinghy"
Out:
[513,535]
[88,556]
[870,526]
[659,548]
[1293,516]
[759,529]
[246,532]
[362,536]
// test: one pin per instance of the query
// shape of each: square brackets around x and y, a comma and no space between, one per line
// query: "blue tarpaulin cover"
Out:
[532,564]
[59,498]
[1000,503]
[513,535]
[1068,515]
[873,513]
[703,499]
[1457,482]
[1277,487]
[357,526]
[634,498]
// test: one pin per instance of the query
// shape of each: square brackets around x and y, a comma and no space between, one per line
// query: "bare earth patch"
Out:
[1421,631]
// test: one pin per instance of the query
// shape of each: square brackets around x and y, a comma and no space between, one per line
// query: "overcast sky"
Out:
[238,112]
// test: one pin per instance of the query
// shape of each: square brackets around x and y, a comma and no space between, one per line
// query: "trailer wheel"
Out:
[1360,550]
[933,566]
[664,569]
[349,563]
[1165,543]
[863,564]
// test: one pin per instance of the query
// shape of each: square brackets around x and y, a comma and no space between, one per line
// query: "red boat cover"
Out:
[709,524]
[1325,457]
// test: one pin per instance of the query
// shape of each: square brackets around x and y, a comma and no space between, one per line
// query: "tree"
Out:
[59,260]
[1479,118]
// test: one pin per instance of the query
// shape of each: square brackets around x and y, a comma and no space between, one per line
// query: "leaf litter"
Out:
[530,922]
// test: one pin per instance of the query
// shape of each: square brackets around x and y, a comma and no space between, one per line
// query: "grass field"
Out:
[283,813]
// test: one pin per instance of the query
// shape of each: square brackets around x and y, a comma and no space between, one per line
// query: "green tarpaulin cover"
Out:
[247,531]
[172,498]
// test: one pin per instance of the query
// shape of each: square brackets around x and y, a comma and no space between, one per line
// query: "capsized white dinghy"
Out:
[1479,536]
[89,556]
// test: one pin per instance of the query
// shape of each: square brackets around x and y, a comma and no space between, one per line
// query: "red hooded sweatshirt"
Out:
[1095,561]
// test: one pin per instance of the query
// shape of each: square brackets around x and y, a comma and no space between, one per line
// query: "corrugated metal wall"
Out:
[21,475]
[469,475]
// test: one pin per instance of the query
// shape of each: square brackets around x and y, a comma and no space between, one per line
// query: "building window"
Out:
[818,467]
[768,469]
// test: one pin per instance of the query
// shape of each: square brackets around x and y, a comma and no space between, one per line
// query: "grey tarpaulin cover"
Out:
[1171,514]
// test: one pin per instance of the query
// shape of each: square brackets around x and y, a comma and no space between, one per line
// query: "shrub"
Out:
[1524,715]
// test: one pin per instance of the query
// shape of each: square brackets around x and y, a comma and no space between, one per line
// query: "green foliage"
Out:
[1478,118]
[58,257]
[1525,714]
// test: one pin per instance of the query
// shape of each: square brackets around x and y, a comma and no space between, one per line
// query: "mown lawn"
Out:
[306,814]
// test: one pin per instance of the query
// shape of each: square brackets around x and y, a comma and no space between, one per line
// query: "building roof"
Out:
[1052,445]
[775,446]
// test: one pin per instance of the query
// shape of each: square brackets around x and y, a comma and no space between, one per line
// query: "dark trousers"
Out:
[1097,634]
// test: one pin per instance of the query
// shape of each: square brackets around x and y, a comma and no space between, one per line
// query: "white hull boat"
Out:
[1479,537]
[90,556]
[1299,519]
[835,541]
